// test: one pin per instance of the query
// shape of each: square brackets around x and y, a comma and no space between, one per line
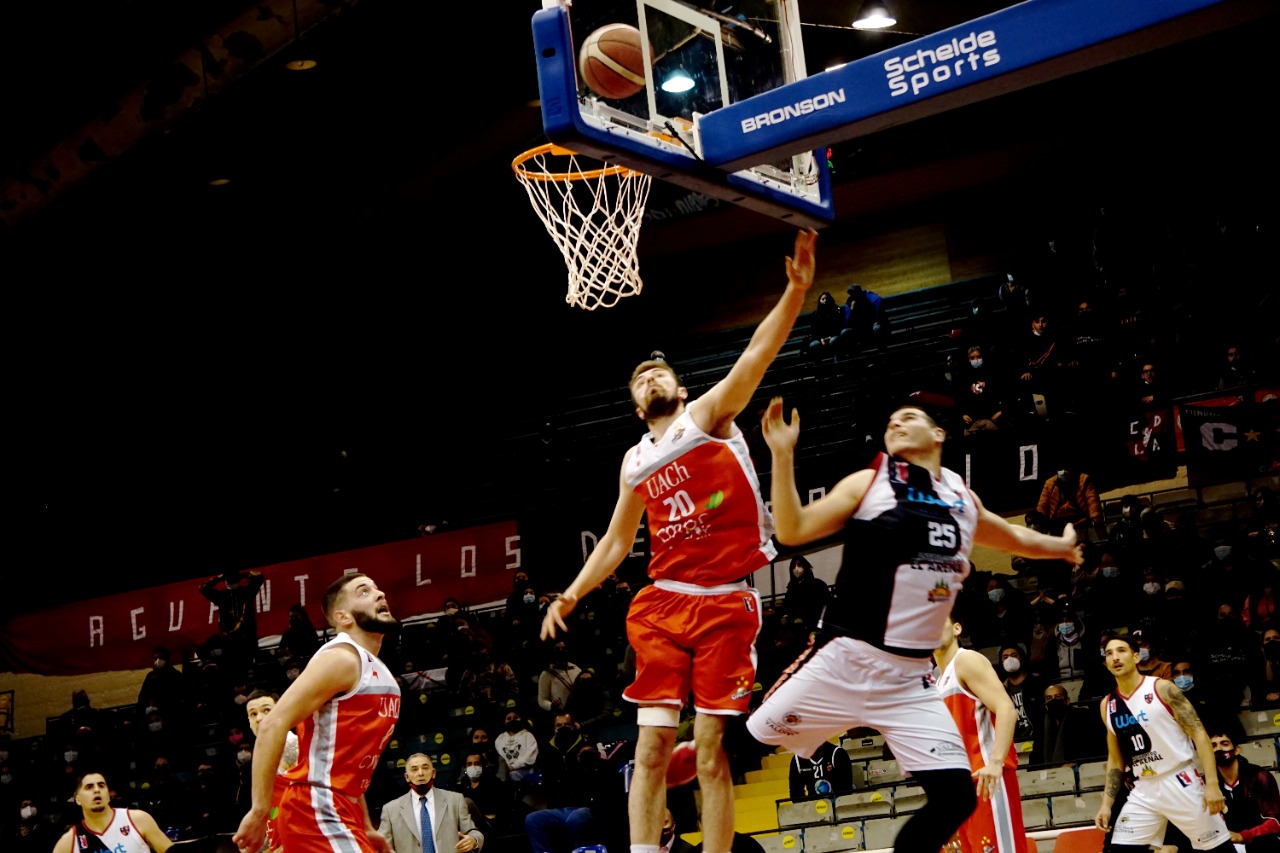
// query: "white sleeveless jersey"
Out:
[121,836]
[1149,736]
[906,555]
[974,719]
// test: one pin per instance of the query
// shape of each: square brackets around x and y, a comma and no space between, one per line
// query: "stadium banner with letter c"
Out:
[474,565]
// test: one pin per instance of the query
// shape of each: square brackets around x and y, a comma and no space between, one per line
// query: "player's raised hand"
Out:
[561,607]
[778,434]
[803,261]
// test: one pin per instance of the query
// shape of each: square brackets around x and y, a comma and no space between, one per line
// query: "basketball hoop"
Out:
[596,230]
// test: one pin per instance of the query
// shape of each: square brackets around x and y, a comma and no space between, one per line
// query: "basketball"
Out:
[612,62]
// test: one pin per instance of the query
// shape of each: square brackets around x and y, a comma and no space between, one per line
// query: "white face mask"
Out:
[1011,664]
[1144,654]
[243,756]
[28,812]
[474,772]
[70,755]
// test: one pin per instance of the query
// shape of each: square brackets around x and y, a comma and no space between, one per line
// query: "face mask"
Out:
[530,598]
[1184,682]
[151,709]
[421,789]
[243,756]
[1066,628]
[4,755]
[975,362]
[1224,757]
[240,699]
[1151,588]
[1271,649]
[236,738]
[513,726]
[292,674]
[474,772]
[70,755]
[1111,572]
[154,727]
[996,595]
[1056,707]
[1222,552]
[1011,664]
[6,778]
[1062,473]
[28,812]
[1144,655]
[450,611]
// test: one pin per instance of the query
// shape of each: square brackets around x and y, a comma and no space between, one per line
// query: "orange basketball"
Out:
[612,62]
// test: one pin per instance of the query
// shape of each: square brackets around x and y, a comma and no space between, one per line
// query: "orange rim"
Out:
[518,166]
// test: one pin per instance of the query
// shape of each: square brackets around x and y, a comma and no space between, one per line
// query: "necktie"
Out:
[428,835]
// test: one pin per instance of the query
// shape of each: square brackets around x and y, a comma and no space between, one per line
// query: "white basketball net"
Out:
[596,228]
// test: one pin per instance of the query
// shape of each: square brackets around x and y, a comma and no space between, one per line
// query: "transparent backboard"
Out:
[730,52]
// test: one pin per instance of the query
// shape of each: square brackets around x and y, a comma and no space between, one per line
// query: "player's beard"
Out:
[660,406]
[374,625]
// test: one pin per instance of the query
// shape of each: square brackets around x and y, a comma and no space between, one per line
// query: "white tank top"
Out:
[1149,736]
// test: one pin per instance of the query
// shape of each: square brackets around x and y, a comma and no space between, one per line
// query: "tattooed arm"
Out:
[1189,720]
[1114,776]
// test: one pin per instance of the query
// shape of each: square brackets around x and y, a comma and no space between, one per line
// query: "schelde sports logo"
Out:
[965,55]
[803,107]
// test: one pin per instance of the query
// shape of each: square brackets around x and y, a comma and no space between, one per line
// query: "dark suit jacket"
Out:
[400,826]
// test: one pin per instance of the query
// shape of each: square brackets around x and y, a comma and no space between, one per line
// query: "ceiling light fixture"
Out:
[874,15]
[677,81]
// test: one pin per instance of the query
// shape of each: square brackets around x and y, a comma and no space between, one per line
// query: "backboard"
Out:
[729,57]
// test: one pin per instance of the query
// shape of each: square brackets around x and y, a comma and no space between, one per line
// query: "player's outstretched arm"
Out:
[728,397]
[609,552]
[994,532]
[794,523]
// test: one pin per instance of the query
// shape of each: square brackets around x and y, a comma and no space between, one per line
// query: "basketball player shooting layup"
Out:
[908,525]
[695,627]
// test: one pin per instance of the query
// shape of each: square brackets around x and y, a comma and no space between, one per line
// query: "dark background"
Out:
[361,332]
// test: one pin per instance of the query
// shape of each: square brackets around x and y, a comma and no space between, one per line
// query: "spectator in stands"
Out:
[1025,688]
[165,796]
[1250,791]
[522,614]
[1090,353]
[555,682]
[1184,676]
[1052,576]
[589,702]
[1235,370]
[865,321]
[585,808]
[478,783]
[1034,366]
[1115,590]
[1006,618]
[559,752]
[1150,394]
[1149,660]
[520,583]
[980,328]
[806,595]
[1262,528]
[825,324]
[162,688]
[479,739]
[489,680]
[33,834]
[300,636]
[826,773]
[1068,733]
[1177,625]
[1264,691]
[1074,656]
[978,394]
[1260,606]
[1071,497]
[1232,653]
[235,594]
[1126,534]
[517,746]
[213,802]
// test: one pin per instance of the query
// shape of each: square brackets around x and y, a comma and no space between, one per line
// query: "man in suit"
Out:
[446,812]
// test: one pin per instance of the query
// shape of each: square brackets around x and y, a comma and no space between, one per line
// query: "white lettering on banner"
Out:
[791,111]
[213,609]
[915,72]
[263,599]
[468,561]
[512,545]
[176,625]
[1029,457]
[1218,436]
[418,579]
[589,542]
[302,588]
[139,631]
[97,631]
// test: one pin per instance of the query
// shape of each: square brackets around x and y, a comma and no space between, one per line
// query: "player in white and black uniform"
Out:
[1153,729]
[908,526]
[107,829]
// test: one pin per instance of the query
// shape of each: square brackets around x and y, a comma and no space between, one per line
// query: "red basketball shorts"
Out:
[694,641]
[319,820]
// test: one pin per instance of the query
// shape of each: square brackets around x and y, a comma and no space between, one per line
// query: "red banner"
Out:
[474,565]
